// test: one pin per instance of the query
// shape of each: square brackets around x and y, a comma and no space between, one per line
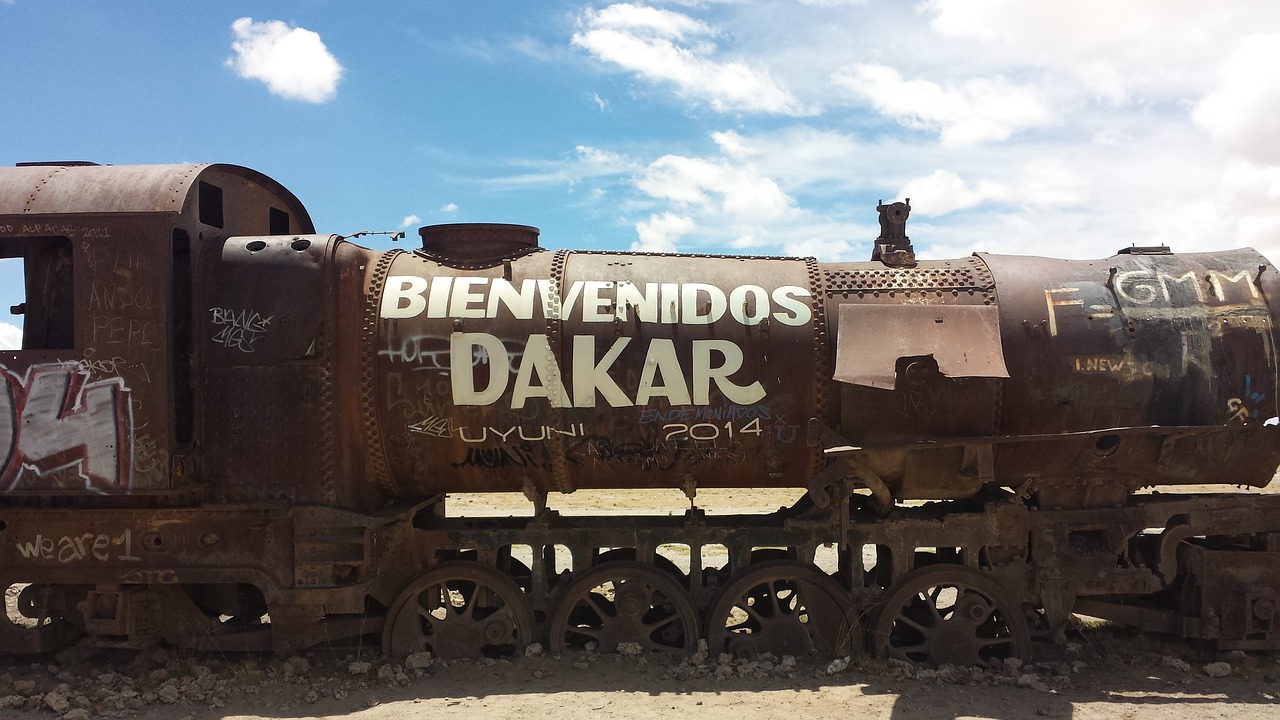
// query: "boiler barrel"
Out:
[561,370]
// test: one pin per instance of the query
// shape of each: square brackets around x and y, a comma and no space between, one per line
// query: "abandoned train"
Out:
[226,431]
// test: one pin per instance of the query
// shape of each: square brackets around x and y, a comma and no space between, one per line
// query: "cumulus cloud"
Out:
[944,192]
[667,47]
[449,208]
[661,232]
[1248,202]
[293,62]
[975,111]
[10,337]
[1242,115]
[715,185]
[410,221]
[736,198]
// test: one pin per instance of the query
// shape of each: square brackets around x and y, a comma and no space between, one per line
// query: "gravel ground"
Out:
[1102,672]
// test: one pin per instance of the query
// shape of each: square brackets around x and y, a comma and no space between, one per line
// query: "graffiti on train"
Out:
[58,431]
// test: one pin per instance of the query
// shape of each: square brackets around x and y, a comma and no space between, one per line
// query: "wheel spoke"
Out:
[459,608]
[662,622]
[796,610]
[932,603]
[981,623]
[600,605]
[922,629]
[639,591]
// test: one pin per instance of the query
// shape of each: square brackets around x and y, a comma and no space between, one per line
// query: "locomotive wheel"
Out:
[629,554]
[513,567]
[950,615]
[625,601]
[459,610]
[782,607]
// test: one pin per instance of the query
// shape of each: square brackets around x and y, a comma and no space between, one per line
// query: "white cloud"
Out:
[663,46]
[600,102]
[449,208]
[1242,114]
[586,163]
[1118,51]
[10,337]
[1014,127]
[944,192]
[410,221]
[977,110]
[1249,198]
[293,62]
[661,232]
[737,192]
[1049,182]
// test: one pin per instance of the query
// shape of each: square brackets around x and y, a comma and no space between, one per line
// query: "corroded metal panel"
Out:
[565,370]
[1135,340]
[964,341]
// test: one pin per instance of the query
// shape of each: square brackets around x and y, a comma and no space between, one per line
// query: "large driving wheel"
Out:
[459,610]
[785,608]
[621,602]
[951,615]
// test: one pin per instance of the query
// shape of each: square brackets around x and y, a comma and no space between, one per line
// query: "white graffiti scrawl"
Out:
[55,420]
[239,329]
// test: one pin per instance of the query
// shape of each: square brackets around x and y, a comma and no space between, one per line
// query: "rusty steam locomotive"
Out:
[226,431]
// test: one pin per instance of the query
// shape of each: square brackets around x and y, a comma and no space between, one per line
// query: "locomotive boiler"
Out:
[225,430]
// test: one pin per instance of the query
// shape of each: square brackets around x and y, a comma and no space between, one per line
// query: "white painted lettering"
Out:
[660,361]
[462,371]
[749,304]
[403,297]
[704,373]
[464,303]
[539,360]
[520,304]
[798,310]
[587,382]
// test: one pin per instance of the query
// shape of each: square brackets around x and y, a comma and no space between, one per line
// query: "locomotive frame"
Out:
[217,436]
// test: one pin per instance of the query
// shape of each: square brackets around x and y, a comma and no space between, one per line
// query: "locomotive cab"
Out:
[101,398]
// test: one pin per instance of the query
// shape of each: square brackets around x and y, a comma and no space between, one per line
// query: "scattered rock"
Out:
[168,694]
[629,649]
[533,650]
[56,702]
[1217,669]
[1174,663]
[359,667]
[701,654]
[418,661]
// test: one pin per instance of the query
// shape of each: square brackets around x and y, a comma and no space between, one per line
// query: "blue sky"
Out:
[1061,129]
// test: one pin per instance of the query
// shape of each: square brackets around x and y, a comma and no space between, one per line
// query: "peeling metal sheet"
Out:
[963,339]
